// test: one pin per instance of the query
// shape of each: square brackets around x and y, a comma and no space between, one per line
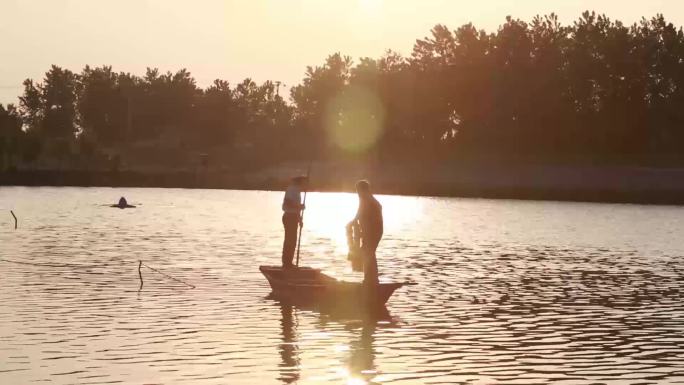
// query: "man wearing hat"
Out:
[292,217]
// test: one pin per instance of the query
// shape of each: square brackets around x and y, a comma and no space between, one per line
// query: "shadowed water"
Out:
[508,291]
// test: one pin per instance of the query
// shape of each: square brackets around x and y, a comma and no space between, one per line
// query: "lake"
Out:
[508,291]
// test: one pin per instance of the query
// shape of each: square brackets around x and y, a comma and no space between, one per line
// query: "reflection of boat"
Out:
[361,361]
[331,311]
[307,285]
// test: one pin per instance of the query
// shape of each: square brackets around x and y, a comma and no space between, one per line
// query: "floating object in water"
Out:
[307,285]
[123,204]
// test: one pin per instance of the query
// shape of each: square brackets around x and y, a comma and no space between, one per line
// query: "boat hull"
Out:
[306,285]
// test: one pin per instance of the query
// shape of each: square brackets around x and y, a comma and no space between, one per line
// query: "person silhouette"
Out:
[123,204]
[369,220]
[292,217]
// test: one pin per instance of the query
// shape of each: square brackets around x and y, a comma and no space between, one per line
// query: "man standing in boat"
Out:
[369,220]
[292,217]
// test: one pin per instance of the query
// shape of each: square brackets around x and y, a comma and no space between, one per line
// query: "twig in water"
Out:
[140,274]
[15,219]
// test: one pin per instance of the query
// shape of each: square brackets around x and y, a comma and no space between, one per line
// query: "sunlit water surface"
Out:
[508,291]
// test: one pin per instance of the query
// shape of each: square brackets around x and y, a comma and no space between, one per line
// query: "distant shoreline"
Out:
[625,185]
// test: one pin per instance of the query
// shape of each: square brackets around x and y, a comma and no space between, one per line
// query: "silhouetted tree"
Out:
[102,105]
[11,135]
[49,110]
[539,91]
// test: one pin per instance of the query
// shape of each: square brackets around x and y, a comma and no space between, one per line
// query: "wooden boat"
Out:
[307,285]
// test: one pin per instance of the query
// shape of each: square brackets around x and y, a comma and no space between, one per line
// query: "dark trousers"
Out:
[291,224]
[370,263]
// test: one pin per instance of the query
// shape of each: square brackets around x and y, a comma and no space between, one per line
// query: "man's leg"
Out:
[290,242]
[370,266]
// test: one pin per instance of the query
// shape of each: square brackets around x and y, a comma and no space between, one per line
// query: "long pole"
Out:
[301,216]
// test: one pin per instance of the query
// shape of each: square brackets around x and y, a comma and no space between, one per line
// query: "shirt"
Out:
[370,217]
[292,202]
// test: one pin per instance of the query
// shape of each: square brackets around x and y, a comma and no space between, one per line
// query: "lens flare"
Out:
[355,119]
[370,5]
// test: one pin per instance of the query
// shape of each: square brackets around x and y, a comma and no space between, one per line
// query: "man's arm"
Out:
[355,221]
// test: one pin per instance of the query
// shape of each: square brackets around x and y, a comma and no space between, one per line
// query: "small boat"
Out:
[308,285]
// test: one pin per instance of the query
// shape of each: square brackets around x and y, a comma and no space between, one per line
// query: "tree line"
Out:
[594,91]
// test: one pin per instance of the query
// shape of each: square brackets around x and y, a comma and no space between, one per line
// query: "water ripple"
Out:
[527,307]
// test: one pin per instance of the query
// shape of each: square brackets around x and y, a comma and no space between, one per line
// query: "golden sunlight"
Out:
[328,213]
[356,381]
[370,6]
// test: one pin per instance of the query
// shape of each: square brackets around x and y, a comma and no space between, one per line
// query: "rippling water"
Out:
[509,291]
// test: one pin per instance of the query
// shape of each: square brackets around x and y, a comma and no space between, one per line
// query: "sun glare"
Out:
[328,213]
[370,5]
[327,216]
[356,381]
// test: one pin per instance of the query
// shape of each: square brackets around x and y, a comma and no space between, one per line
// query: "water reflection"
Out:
[512,292]
[362,358]
[359,367]
[289,351]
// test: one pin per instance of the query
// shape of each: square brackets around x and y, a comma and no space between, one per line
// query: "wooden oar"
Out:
[301,217]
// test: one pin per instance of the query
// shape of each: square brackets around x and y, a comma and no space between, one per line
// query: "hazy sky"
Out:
[262,39]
